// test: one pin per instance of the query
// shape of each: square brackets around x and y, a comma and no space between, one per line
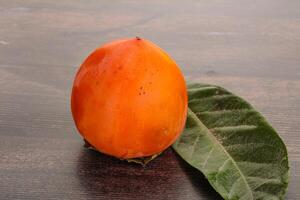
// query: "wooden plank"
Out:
[249,47]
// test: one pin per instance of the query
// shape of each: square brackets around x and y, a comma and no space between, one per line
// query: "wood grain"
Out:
[250,47]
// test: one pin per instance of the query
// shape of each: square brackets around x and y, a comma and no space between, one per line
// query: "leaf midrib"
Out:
[215,139]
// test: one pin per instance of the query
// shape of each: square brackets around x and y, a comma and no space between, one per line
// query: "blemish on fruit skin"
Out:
[141,90]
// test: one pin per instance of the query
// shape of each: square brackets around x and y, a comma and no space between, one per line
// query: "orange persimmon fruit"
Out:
[129,99]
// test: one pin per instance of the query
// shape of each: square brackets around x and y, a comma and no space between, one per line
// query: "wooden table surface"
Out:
[251,47]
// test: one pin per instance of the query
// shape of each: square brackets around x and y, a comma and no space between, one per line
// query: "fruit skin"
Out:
[129,99]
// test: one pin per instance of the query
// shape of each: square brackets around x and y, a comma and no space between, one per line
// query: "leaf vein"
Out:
[208,156]
[224,150]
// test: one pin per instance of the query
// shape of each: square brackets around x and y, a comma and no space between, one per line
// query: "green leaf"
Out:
[233,145]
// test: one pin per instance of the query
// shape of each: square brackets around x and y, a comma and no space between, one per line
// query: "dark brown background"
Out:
[251,47]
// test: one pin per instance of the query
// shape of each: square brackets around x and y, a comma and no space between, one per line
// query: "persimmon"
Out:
[129,99]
